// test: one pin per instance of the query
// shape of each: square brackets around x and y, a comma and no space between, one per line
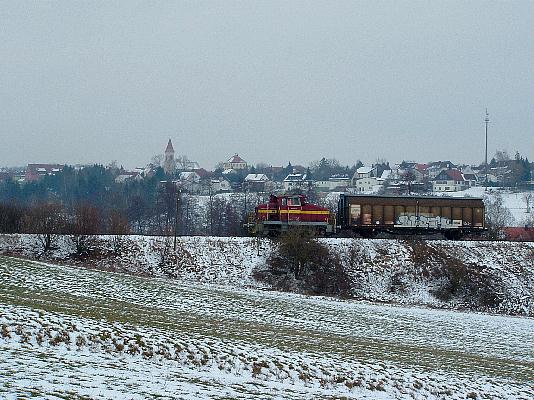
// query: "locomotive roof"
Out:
[392,196]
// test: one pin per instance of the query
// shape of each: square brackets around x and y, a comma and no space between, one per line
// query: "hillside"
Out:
[482,276]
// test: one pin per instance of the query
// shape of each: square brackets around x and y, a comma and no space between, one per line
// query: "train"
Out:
[372,215]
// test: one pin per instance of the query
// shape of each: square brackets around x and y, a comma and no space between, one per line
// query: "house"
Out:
[296,181]
[235,162]
[34,172]
[434,168]
[189,181]
[257,182]
[470,176]
[422,171]
[215,186]
[202,173]
[368,185]
[502,174]
[449,180]
[363,172]
[325,186]
[125,176]
[189,176]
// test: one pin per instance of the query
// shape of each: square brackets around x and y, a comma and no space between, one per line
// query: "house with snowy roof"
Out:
[296,181]
[236,163]
[125,176]
[363,172]
[257,182]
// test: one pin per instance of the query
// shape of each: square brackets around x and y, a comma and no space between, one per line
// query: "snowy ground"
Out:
[76,333]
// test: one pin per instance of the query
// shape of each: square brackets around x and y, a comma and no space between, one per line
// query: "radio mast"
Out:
[486,121]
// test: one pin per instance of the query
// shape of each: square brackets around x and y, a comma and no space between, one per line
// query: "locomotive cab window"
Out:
[293,201]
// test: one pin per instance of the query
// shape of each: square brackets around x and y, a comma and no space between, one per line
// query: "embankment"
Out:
[480,276]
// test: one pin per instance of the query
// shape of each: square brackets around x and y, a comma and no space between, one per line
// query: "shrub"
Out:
[300,260]
[439,264]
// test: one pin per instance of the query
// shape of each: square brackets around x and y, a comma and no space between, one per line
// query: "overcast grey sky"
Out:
[274,81]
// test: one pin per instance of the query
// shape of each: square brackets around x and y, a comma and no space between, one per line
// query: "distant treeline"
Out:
[89,201]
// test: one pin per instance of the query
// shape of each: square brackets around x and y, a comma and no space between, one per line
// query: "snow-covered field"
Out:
[75,333]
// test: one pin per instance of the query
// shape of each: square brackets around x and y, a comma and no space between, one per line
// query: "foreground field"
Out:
[76,333]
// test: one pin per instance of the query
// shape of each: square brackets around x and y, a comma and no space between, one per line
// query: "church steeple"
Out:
[169,164]
[169,148]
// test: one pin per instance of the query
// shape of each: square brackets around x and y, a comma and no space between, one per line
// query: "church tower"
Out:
[169,164]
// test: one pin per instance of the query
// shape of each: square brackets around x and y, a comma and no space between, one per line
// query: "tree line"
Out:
[89,201]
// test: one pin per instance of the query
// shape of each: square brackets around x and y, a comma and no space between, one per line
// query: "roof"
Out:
[256,178]
[295,178]
[364,170]
[189,175]
[421,167]
[386,174]
[452,174]
[442,164]
[236,159]
[169,148]
[202,172]
[470,177]
[418,196]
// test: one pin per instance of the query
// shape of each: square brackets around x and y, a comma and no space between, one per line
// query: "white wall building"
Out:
[368,185]
[296,181]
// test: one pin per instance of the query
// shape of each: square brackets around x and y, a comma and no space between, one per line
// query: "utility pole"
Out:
[486,121]
[176,216]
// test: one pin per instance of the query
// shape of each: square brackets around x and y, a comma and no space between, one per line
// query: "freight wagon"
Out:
[369,215]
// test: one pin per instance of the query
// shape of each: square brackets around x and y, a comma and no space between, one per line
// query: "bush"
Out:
[455,279]
[300,261]
[438,264]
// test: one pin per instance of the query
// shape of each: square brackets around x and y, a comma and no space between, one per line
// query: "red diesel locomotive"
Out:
[282,213]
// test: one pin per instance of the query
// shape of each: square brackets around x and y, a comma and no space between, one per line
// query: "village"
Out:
[326,175]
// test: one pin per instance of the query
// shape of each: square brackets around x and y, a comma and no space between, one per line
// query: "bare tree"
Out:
[86,224]
[11,217]
[184,163]
[498,216]
[528,222]
[118,227]
[157,160]
[529,198]
[501,156]
[47,220]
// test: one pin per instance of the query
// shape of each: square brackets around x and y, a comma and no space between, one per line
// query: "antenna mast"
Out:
[486,121]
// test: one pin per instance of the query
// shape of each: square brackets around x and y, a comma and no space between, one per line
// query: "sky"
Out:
[275,81]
